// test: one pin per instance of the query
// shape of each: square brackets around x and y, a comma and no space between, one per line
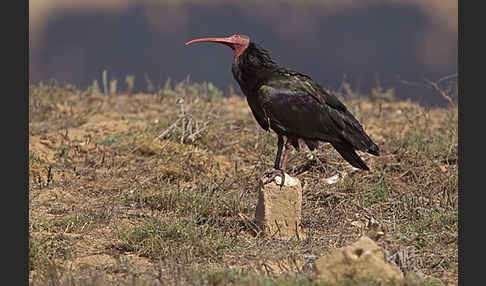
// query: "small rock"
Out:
[332,180]
[363,258]
[289,181]
[279,208]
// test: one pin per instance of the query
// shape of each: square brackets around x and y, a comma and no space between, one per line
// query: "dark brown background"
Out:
[368,41]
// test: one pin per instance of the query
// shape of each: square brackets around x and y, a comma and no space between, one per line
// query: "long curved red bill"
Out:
[227,41]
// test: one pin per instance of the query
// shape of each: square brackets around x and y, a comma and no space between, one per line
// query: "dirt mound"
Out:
[362,259]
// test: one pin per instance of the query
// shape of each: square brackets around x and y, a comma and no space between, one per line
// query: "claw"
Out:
[273,174]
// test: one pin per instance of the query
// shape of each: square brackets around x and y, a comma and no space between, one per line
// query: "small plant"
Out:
[150,85]
[130,81]
[347,90]
[185,128]
[104,77]
[109,88]
[94,89]
[378,93]
[213,92]
[167,90]
[113,86]
[110,140]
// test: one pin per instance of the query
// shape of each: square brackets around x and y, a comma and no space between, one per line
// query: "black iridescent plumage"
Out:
[293,105]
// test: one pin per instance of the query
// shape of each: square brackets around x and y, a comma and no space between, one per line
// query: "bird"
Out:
[293,105]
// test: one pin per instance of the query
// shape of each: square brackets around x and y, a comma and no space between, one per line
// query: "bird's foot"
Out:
[272,174]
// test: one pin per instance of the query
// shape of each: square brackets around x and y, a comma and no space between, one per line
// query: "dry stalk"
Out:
[435,86]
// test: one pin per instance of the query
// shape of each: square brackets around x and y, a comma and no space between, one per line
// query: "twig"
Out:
[183,117]
[166,131]
[436,87]
[447,77]
[192,137]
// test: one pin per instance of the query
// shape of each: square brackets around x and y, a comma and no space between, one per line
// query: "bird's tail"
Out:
[373,149]
[348,153]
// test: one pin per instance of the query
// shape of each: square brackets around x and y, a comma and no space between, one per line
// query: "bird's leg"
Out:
[285,156]
[279,170]
[280,144]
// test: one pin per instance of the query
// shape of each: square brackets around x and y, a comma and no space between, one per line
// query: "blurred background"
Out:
[364,43]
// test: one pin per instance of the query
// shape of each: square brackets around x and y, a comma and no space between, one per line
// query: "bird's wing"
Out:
[300,83]
[296,113]
[301,108]
[258,112]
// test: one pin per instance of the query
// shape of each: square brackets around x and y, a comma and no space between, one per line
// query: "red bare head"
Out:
[237,42]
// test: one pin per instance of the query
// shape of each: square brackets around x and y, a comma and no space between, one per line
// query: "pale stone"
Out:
[279,208]
[332,180]
[289,181]
[363,258]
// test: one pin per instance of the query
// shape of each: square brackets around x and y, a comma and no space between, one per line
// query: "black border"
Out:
[16,137]
[461,179]
[23,165]
[464,207]
[15,141]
